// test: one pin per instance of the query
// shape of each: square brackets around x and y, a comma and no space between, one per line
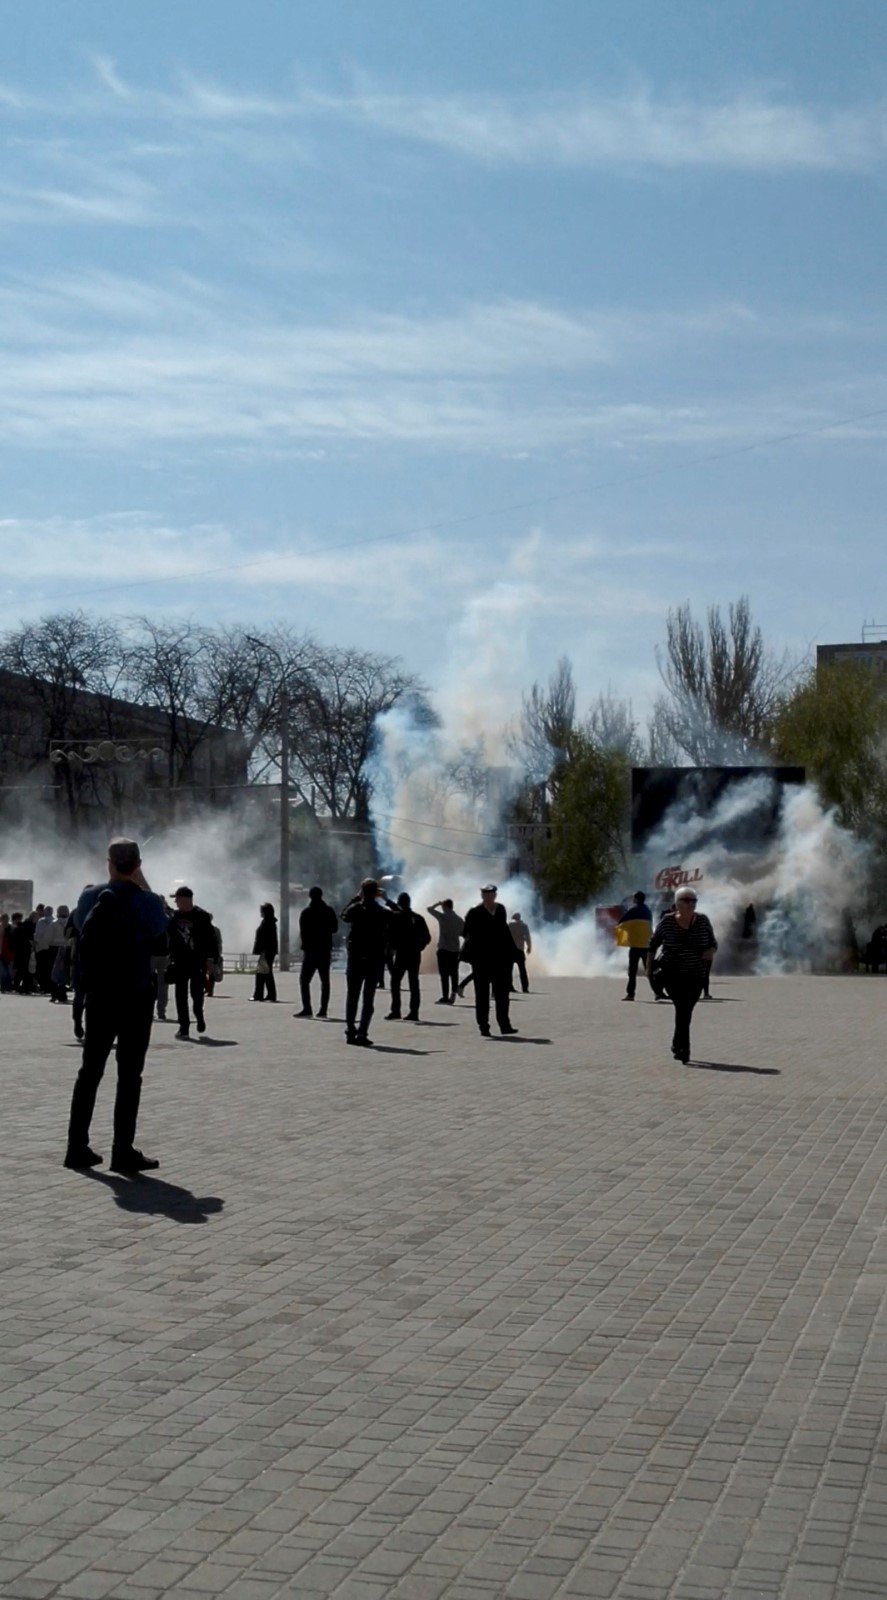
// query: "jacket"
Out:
[488,940]
[317,924]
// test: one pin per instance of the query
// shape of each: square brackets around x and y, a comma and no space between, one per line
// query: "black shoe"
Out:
[485,1033]
[130,1161]
[443,1001]
[362,1039]
[201,1025]
[79,1160]
[411,1016]
[182,1033]
[509,1029]
[628,997]
[320,1013]
[392,1016]
[304,1013]
[351,1038]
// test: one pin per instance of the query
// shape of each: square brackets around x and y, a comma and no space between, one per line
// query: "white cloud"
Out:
[749,132]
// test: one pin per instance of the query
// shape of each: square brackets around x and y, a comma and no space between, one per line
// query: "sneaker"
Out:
[182,1033]
[201,1025]
[80,1160]
[304,1013]
[130,1161]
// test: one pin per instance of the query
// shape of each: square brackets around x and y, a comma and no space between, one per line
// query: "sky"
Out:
[366,317]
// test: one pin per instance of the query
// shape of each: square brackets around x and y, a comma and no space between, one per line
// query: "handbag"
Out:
[263,967]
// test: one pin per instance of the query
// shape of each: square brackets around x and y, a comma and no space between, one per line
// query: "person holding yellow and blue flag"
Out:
[633,930]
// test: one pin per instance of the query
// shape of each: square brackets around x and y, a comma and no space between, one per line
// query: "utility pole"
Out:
[284,702]
[284,827]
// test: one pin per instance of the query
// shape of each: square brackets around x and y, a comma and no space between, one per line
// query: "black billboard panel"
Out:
[702,793]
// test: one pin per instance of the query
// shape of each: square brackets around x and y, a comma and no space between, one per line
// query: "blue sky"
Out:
[368,311]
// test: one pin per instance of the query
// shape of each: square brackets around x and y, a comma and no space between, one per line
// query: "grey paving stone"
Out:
[543,1319]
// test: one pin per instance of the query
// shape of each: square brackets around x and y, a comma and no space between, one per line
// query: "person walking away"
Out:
[25,959]
[58,977]
[368,915]
[192,948]
[44,954]
[635,928]
[317,927]
[449,933]
[687,941]
[88,897]
[409,937]
[214,964]
[490,949]
[266,947]
[523,947]
[121,929]
[7,954]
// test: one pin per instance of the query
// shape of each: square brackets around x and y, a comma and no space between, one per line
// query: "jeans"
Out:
[499,980]
[5,977]
[405,967]
[265,980]
[684,991]
[128,1022]
[636,958]
[361,979]
[189,982]
[315,964]
[448,967]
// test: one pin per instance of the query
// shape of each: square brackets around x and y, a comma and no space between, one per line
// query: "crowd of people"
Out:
[124,948]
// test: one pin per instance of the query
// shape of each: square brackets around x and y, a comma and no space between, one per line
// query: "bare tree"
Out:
[546,724]
[610,725]
[343,692]
[722,684]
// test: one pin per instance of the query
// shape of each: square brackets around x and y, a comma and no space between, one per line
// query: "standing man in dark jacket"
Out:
[265,946]
[124,927]
[317,925]
[490,948]
[409,936]
[192,948]
[369,916]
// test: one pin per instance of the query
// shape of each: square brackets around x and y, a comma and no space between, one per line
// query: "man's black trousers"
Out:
[315,964]
[128,1022]
[448,967]
[499,980]
[520,962]
[636,958]
[684,991]
[405,967]
[361,979]
[189,982]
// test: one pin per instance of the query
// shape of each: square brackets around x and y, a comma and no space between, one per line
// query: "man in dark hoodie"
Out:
[124,927]
[409,936]
[490,948]
[192,947]
[317,925]
[368,915]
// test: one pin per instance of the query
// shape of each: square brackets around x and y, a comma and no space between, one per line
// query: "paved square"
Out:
[543,1317]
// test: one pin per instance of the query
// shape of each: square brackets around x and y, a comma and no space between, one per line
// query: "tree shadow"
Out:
[153,1197]
[728,1066]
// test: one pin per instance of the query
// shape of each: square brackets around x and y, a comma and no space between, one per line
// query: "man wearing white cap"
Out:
[491,950]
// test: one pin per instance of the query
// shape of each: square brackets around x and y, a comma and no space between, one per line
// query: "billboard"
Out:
[700,793]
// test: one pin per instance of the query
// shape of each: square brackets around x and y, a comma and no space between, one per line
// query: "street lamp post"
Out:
[284,700]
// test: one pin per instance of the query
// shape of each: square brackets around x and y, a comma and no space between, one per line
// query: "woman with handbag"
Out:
[686,939]
[265,946]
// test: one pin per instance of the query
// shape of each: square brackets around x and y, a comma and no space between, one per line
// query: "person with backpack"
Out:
[123,927]
[408,938]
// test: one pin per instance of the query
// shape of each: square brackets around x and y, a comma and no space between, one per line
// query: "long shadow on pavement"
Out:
[520,1038]
[727,1066]
[400,1050]
[215,1044]
[153,1197]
